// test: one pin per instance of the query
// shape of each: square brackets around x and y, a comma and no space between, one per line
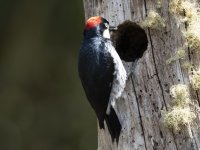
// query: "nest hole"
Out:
[130,41]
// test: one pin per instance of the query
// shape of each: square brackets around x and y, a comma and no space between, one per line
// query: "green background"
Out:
[42,103]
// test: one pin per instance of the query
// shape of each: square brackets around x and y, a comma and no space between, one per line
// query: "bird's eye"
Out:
[106,25]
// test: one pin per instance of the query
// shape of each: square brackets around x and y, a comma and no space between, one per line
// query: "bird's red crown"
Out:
[93,22]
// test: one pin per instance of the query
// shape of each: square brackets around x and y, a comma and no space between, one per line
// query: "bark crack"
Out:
[141,122]
[194,139]
[197,97]
[181,71]
[153,57]
[190,60]
[174,140]
[156,69]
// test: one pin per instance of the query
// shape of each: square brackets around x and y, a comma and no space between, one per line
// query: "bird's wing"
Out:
[96,71]
[120,76]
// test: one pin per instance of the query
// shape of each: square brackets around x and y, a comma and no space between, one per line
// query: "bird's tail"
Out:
[113,124]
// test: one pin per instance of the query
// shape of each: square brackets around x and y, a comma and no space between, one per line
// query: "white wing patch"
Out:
[119,80]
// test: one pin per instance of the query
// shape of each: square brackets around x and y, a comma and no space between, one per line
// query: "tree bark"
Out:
[146,94]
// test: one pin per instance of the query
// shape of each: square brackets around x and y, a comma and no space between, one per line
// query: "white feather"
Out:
[120,77]
[106,34]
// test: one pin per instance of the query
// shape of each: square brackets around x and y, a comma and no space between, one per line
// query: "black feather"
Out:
[114,125]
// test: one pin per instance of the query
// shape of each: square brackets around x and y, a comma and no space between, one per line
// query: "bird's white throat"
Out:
[106,34]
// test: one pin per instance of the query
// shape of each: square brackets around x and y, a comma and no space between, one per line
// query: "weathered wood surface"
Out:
[147,90]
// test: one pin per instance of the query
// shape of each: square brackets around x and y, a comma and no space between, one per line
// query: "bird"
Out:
[102,73]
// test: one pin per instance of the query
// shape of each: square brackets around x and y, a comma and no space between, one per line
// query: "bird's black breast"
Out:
[96,70]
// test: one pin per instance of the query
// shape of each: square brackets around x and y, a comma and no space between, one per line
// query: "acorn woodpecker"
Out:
[102,73]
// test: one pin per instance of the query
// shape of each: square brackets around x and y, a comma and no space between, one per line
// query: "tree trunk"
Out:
[147,92]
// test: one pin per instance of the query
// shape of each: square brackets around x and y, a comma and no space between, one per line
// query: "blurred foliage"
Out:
[42,104]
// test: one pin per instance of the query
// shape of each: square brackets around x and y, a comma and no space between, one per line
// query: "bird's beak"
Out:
[112,28]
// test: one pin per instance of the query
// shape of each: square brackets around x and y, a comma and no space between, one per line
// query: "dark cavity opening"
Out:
[130,41]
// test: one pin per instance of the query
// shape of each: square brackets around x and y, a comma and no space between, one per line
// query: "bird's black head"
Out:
[97,26]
